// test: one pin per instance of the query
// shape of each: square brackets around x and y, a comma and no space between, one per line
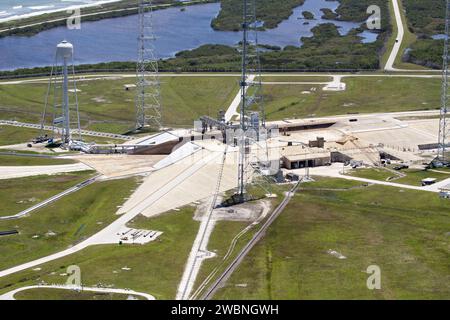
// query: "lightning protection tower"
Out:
[62,96]
[148,97]
[444,125]
[252,116]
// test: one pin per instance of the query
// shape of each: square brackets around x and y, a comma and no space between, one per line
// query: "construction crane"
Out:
[148,93]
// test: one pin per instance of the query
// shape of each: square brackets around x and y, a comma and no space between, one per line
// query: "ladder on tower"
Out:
[443,158]
[219,179]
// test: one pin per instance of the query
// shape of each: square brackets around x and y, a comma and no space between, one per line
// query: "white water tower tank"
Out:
[64,50]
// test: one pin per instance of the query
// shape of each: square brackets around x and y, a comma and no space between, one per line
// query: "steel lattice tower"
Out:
[252,115]
[62,96]
[148,96]
[444,125]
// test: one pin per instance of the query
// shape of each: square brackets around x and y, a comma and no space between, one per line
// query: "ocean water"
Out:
[176,30]
[12,8]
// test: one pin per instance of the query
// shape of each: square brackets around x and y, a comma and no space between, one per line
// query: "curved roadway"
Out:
[10,295]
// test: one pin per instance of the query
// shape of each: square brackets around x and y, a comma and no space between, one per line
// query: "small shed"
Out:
[428,181]
[128,87]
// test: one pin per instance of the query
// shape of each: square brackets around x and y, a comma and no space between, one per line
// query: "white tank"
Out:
[64,50]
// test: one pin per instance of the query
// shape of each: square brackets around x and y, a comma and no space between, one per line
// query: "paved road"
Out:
[399,39]
[233,108]
[10,172]
[10,295]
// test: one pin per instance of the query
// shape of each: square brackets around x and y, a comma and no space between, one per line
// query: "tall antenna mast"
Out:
[148,96]
[444,126]
[251,111]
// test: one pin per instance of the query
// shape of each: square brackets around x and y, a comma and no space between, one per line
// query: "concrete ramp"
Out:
[190,180]
[178,155]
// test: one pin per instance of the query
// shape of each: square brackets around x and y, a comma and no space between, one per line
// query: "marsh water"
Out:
[176,30]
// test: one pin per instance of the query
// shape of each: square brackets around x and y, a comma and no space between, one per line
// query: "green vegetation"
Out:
[425,17]
[61,294]
[404,232]
[65,222]
[415,176]
[427,52]
[333,183]
[187,98]
[226,241]
[329,14]
[10,135]
[268,11]
[219,243]
[373,174]
[363,95]
[325,50]
[409,38]
[106,106]
[11,160]
[412,176]
[308,15]
[21,193]
[14,135]
[155,268]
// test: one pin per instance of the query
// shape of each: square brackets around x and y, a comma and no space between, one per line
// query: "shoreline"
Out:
[70,7]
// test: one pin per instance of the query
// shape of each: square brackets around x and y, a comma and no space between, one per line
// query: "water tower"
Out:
[62,95]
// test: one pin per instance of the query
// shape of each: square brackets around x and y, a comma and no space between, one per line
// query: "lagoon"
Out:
[116,39]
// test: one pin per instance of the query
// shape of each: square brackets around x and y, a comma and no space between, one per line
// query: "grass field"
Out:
[64,222]
[373,173]
[10,135]
[412,176]
[415,176]
[10,160]
[363,95]
[404,232]
[155,268]
[105,105]
[19,194]
[60,294]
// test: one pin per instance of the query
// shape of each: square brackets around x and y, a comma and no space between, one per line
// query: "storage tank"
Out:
[64,50]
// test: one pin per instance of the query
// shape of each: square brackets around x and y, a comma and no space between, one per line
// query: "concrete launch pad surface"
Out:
[195,178]
[117,165]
